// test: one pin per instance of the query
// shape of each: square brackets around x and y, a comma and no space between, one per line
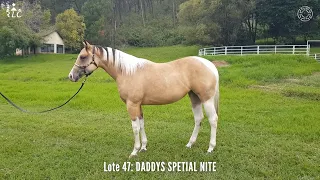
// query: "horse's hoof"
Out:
[132,156]
[143,150]
[210,150]
[189,145]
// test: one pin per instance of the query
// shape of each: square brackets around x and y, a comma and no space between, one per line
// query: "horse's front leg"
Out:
[135,114]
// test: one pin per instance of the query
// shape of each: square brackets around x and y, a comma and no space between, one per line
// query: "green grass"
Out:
[315,50]
[269,124]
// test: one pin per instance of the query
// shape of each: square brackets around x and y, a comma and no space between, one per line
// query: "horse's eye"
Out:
[83,57]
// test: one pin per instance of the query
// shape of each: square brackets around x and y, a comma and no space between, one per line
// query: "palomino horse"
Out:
[142,82]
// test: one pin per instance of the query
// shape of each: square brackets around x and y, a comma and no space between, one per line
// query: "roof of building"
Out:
[48,31]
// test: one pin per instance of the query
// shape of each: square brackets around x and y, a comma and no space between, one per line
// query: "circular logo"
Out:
[305,13]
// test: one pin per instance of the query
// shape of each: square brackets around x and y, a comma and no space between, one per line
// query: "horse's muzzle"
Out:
[73,78]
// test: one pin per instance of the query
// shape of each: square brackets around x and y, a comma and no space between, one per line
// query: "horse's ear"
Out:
[86,45]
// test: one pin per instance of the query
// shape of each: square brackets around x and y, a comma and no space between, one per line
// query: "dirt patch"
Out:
[305,87]
[272,87]
[305,95]
[220,63]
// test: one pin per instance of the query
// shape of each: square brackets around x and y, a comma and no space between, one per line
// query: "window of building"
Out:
[60,49]
[47,48]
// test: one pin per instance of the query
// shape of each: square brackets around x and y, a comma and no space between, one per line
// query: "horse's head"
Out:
[85,63]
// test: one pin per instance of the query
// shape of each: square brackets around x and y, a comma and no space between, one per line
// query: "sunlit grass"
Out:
[269,124]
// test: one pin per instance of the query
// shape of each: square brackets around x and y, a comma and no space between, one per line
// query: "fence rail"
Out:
[259,49]
[315,56]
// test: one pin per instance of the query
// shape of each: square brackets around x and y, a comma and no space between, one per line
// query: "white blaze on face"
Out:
[71,75]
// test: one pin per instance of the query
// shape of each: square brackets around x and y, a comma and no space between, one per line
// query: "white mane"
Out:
[124,62]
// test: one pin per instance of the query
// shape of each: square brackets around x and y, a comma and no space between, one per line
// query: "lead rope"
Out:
[26,111]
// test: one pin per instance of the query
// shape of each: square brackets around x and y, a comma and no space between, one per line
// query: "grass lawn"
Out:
[268,126]
[315,50]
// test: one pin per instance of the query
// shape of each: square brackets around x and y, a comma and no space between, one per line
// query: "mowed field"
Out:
[268,128]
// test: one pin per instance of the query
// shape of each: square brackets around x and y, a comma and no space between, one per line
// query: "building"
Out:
[52,43]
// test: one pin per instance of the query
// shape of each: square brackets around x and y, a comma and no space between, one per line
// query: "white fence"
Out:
[315,56]
[258,49]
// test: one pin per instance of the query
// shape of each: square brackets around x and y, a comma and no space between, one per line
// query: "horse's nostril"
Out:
[70,76]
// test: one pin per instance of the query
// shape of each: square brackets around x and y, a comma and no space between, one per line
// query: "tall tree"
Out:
[250,21]
[98,15]
[195,18]
[71,26]
[280,18]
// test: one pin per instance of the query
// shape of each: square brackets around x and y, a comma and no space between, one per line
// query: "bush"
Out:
[157,32]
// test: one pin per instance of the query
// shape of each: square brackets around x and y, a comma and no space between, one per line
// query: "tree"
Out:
[34,16]
[280,18]
[196,21]
[71,26]
[98,20]
[249,14]
[15,33]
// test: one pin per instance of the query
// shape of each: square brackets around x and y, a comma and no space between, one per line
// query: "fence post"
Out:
[204,52]
[258,49]
[214,51]
[293,49]
[225,50]
[275,49]
[241,50]
[315,56]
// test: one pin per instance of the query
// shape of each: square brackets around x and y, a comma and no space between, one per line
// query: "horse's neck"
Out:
[111,71]
[117,63]
[107,65]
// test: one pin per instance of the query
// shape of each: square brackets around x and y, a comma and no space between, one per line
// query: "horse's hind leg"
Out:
[198,116]
[142,133]
[213,120]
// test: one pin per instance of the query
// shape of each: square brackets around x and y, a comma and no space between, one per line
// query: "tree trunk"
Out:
[174,12]
[142,13]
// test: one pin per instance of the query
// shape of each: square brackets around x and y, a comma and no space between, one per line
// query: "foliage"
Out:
[59,6]
[281,21]
[219,22]
[23,32]
[71,27]
[156,32]
[168,22]
[34,16]
[97,15]
[194,17]
[15,33]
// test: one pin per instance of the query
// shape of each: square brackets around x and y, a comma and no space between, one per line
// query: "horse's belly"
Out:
[161,100]
[161,96]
